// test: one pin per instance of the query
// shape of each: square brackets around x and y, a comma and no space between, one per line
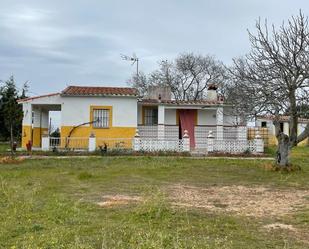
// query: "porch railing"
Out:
[151,145]
[69,143]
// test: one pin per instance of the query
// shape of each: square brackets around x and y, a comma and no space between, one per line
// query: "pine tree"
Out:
[11,113]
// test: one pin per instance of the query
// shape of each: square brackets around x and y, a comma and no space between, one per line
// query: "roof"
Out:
[282,118]
[37,97]
[181,102]
[99,91]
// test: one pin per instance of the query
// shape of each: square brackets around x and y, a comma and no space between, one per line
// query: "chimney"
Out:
[159,92]
[212,93]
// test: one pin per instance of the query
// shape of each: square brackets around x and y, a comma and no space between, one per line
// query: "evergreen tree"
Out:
[11,113]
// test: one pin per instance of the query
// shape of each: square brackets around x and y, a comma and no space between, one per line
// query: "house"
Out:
[266,122]
[114,115]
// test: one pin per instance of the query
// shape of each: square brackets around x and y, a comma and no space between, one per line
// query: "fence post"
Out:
[186,141]
[136,141]
[92,143]
[259,143]
[45,143]
[210,142]
[241,133]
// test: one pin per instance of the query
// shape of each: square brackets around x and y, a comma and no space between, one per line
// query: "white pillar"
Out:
[219,122]
[45,143]
[27,111]
[161,118]
[137,141]
[259,143]
[186,141]
[92,143]
[210,142]
[241,133]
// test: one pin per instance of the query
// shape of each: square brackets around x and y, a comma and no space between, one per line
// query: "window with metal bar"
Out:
[151,116]
[101,118]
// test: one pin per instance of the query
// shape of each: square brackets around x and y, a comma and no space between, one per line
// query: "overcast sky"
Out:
[56,43]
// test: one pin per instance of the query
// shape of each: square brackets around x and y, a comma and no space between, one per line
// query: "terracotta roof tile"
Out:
[98,91]
[181,102]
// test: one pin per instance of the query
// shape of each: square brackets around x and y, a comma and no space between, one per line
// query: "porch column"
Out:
[161,118]
[40,125]
[219,122]
[27,124]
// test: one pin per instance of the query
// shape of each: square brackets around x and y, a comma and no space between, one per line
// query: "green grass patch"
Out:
[52,203]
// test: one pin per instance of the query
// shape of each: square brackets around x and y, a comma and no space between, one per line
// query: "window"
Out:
[151,116]
[101,118]
[264,124]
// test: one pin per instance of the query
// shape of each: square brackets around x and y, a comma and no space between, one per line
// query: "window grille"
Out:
[151,116]
[101,118]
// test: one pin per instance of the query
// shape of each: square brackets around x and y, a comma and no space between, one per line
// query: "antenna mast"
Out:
[134,59]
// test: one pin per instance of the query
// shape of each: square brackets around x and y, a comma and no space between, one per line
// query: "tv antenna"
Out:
[132,58]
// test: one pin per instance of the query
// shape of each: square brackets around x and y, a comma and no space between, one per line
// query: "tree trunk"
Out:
[283,151]
[12,140]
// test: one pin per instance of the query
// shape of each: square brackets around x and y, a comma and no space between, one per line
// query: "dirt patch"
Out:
[247,201]
[9,160]
[279,226]
[118,200]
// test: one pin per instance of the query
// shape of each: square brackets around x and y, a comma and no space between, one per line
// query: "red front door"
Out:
[187,121]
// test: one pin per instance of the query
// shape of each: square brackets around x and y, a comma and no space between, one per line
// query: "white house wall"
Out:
[271,127]
[206,117]
[76,110]
[228,117]
[139,114]
[170,117]
[40,118]
[47,100]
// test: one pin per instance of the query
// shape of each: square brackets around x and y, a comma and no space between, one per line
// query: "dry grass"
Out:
[241,200]
[10,160]
[116,200]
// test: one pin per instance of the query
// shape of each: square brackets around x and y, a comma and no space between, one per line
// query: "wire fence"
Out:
[263,132]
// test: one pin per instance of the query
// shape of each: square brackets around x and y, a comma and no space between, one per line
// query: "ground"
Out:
[154,202]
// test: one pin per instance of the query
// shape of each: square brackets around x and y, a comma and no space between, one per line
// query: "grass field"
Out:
[154,202]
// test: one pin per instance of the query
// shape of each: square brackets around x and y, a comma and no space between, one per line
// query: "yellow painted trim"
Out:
[96,107]
[26,135]
[196,117]
[86,131]
[37,133]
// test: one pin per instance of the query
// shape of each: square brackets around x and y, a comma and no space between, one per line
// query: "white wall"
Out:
[271,127]
[229,117]
[27,114]
[40,118]
[76,110]
[170,117]
[206,117]
[301,127]
[139,114]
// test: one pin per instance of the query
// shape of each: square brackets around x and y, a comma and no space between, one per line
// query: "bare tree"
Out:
[188,76]
[274,78]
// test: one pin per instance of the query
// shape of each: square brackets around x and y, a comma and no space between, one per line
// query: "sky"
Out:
[52,44]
